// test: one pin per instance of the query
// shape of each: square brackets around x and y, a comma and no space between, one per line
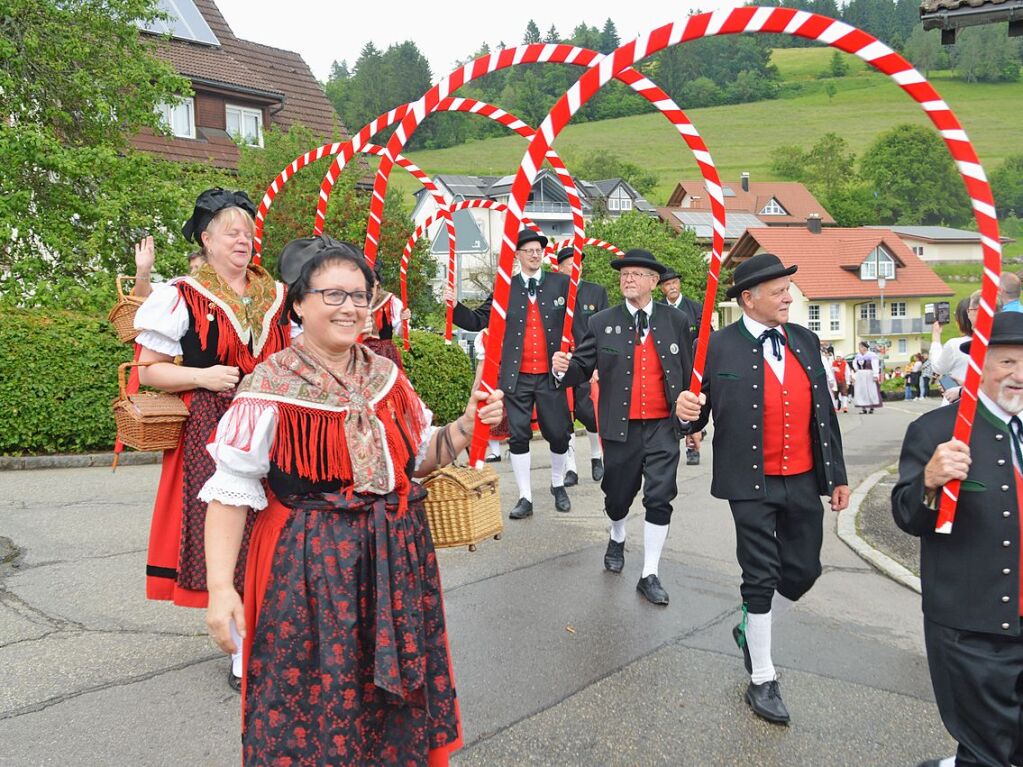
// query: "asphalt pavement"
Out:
[557,662]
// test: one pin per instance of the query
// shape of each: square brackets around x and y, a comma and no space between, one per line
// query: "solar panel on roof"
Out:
[182,21]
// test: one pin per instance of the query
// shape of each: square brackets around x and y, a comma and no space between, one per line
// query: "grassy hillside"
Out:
[741,137]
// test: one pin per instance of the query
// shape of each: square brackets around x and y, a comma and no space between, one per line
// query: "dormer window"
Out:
[773,209]
[878,264]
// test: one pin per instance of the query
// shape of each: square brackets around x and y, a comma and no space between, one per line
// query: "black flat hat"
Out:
[300,251]
[566,253]
[1006,330]
[761,268]
[669,274]
[639,257]
[208,204]
[528,235]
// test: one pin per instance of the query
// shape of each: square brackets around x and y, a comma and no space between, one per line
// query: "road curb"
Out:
[851,538]
[25,462]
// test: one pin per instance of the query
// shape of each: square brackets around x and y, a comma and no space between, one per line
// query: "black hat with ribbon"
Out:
[639,257]
[1006,330]
[760,268]
[566,253]
[208,204]
[669,274]
[527,236]
[299,252]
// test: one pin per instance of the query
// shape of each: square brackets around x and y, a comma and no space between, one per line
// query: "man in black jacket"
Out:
[671,289]
[534,321]
[642,353]
[970,575]
[777,449]
[590,298]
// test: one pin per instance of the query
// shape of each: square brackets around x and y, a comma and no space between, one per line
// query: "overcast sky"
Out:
[324,32]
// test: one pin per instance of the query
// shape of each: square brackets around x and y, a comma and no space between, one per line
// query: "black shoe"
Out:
[740,642]
[765,700]
[651,588]
[561,501]
[234,682]
[692,457]
[614,557]
[522,509]
[493,458]
[597,469]
[930,763]
[571,479]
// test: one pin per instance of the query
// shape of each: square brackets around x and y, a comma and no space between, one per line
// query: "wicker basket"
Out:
[122,316]
[148,420]
[463,506]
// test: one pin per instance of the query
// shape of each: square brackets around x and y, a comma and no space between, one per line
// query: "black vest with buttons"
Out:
[609,346]
[733,380]
[969,577]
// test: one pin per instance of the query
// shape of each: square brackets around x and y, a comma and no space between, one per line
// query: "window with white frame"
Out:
[178,117]
[612,203]
[918,250]
[245,124]
[903,346]
[773,209]
[813,316]
[878,264]
[868,311]
[625,204]
[898,308]
[835,318]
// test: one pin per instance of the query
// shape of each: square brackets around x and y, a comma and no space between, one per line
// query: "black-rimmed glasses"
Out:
[337,297]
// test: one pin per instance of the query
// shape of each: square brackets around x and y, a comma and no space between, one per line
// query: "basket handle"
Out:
[122,379]
[120,284]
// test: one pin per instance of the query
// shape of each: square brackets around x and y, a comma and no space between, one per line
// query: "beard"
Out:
[1010,400]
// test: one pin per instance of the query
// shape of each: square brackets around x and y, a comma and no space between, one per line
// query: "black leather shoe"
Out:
[522,509]
[571,479]
[234,682]
[930,763]
[597,469]
[614,557]
[493,459]
[651,588]
[561,501]
[740,642]
[692,457]
[765,700]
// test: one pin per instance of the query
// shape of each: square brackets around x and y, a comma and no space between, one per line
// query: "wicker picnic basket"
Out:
[147,420]
[122,316]
[463,506]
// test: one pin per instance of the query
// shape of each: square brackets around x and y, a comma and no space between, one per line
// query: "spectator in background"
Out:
[145,257]
[926,373]
[949,359]
[913,376]
[841,369]
[1008,292]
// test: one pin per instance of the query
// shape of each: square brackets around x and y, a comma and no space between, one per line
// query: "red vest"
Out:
[787,410]
[534,344]
[648,400]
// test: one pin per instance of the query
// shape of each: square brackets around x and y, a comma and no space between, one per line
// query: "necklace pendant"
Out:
[246,300]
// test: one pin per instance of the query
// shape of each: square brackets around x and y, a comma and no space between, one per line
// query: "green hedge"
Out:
[441,374]
[58,377]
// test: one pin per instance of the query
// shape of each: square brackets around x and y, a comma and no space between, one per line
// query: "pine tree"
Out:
[609,40]
[532,34]
[552,35]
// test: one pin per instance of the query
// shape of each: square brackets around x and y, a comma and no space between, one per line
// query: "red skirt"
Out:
[346,653]
[385,348]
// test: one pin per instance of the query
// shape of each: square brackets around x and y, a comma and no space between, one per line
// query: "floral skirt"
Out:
[346,651]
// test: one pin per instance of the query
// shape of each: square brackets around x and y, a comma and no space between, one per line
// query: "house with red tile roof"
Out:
[241,89]
[853,284]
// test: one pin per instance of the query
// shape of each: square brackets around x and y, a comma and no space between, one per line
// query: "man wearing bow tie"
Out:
[777,449]
[642,353]
[535,319]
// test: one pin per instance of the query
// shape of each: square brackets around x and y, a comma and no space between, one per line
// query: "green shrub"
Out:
[442,375]
[58,377]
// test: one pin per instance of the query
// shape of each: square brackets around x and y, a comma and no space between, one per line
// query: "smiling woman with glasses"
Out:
[336,432]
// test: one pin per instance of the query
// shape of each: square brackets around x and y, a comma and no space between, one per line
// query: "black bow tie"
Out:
[531,286]
[641,325]
[777,341]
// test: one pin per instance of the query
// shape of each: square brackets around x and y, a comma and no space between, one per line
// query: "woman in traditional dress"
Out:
[866,375]
[221,322]
[384,320]
[345,642]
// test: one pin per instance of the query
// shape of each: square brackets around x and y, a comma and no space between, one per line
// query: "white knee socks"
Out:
[493,448]
[618,530]
[758,640]
[236,657]
[570,455]
[558,469]
[654,537]
[520,467]
[596,451]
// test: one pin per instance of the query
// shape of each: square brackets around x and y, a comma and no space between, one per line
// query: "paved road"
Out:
[557,662]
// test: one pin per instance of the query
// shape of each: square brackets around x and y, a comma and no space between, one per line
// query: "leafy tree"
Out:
[914,179]
[986,54]
[77,80]
[925,51]
[1007,186]
[595,165]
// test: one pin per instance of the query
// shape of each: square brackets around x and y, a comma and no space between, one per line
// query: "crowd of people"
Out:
[291,511]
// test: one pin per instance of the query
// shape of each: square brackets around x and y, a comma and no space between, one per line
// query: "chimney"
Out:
[744,176]
[813,223]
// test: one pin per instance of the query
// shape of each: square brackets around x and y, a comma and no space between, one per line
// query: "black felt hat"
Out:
[208,204]
[528,235]
[761,268]
[566,253]
[639,257]
[669,274]
[298,252]
[1006,330]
